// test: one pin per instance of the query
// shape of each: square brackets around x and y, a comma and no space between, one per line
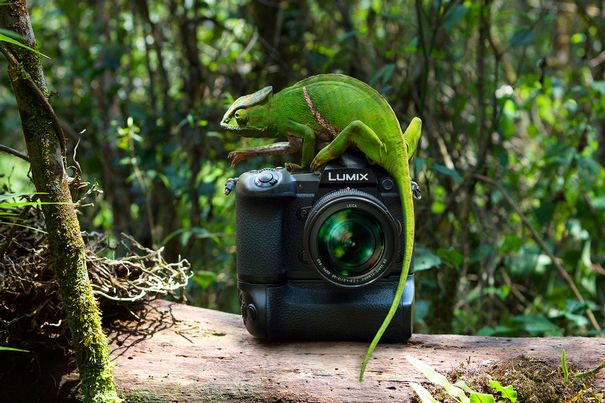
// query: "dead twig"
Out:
[14,152]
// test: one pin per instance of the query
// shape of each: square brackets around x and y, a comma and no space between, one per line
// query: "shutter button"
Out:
[265,177]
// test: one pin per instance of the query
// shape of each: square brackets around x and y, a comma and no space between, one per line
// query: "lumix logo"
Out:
[347,177]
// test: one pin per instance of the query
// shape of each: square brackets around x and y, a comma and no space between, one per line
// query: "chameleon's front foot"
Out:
[236,157]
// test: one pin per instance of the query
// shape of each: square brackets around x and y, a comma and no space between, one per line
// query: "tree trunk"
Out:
[46,147]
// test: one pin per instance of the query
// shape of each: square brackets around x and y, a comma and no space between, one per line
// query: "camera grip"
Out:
[315,310]
[259,239]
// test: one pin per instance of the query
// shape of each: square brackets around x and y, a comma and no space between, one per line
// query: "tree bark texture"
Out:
[178,353]
[45,146]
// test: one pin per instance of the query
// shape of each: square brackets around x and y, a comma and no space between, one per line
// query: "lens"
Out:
[350,237]
[350,242]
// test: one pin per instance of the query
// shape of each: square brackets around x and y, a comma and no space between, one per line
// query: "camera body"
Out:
[319,255]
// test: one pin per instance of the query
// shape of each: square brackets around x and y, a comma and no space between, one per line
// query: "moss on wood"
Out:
[535,380]
[65,242]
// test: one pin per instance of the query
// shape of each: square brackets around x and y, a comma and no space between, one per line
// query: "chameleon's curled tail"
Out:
[401,175]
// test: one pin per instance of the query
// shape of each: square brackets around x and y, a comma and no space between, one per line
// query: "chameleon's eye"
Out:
[240,116]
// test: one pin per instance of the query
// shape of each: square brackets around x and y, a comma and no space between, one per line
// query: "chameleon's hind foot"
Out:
[292,167]
[322,158]
[356,134]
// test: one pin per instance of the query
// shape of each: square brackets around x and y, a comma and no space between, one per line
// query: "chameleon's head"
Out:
[247,115]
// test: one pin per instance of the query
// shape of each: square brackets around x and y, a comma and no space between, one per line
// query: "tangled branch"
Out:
[141,274]
[122,272]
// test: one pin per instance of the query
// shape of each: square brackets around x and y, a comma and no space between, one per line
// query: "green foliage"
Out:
[438,379]
[19,350]
[12,200]
[459,390]
[517,95]
[8,39]
[564,367]
[424,259]
[507,392]
[423,394]
[590,373]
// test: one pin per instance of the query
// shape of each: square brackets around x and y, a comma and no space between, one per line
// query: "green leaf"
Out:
[424,259]
[462,385]
[507,392]
[592,372]
[521,38]
[7,196]
[454,16]
[482,398]
[8,214]
[10,33]
[499,330]
[438,379]
[205,278]
[598,203]
[23,226]
[8,39]
[316,59]
[412,46]
[537,325]
[383,75]
[544,212]
[186,233]
[529,259]
[423,394]
[447,171]
[599,86]
[3,348]
[564,367]
[23,204]
[450,256]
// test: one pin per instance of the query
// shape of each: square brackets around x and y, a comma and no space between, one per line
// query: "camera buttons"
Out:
[266,178]
[387,184]
[251,311]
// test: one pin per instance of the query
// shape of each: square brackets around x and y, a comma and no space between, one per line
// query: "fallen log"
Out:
[181,353]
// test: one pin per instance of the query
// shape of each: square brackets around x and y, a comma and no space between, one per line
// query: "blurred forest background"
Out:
[511,162]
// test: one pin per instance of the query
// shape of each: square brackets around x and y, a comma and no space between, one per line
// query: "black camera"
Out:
[319,255]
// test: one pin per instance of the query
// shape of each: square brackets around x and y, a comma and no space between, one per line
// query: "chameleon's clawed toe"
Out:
[235,157]
[292,167]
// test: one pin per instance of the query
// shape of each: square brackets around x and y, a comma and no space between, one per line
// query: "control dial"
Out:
[266,178]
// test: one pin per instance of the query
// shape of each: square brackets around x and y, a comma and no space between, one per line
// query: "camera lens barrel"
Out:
[351,237]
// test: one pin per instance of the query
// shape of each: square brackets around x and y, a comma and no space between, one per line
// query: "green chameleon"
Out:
[331,112]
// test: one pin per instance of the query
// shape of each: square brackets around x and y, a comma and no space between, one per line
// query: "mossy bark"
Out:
[44,146]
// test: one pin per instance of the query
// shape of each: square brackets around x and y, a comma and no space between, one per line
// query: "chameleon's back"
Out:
[339,100]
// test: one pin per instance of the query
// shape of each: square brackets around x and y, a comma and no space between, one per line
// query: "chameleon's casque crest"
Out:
[247,101]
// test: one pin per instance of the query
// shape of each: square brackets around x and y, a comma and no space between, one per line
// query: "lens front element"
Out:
[350,236]
[350,242]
